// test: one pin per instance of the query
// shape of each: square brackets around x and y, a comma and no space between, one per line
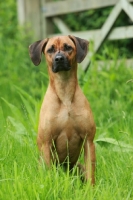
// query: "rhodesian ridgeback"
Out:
[66,122]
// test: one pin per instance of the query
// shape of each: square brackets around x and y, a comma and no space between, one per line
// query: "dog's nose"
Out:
[59,58]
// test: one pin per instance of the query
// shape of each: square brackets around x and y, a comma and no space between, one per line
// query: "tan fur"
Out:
[66,121]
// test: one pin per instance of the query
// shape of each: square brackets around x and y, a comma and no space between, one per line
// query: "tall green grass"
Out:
[109,92]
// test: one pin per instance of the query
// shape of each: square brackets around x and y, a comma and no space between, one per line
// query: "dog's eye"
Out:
[67,47]
[51,49]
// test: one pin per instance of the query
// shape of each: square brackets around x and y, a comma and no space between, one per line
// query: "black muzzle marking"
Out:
[60,63]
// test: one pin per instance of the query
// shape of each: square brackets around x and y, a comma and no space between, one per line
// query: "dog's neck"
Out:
[64,84]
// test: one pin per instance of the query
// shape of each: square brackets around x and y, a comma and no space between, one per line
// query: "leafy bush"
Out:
[8,19]
[16,67]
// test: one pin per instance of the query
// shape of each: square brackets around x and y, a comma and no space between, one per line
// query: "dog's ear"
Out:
[81,46]
[36,49]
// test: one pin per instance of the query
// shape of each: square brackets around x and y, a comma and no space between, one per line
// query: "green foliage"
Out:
[108,88]
[86,20]
[8,18]
[16,66]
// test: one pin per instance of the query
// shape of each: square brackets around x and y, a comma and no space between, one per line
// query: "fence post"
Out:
[46,23]
[29,15]
[21,11]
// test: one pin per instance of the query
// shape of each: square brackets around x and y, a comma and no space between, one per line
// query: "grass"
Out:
[111,99]
[21,178]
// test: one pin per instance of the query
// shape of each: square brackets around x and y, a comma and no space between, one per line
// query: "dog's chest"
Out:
[70,119]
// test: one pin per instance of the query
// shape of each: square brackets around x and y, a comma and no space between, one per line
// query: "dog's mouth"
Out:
[58,68]
[60,63]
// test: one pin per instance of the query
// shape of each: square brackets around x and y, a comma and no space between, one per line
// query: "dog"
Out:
[66,122]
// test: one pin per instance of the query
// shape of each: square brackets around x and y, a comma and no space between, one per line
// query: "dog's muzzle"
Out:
[60,63]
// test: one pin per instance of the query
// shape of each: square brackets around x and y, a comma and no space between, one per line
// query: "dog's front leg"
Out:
[46,153]
[89,157]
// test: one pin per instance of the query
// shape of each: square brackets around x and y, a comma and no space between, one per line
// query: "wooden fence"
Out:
[42,14]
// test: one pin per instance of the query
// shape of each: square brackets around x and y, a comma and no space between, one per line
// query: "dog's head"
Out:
[61,52]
